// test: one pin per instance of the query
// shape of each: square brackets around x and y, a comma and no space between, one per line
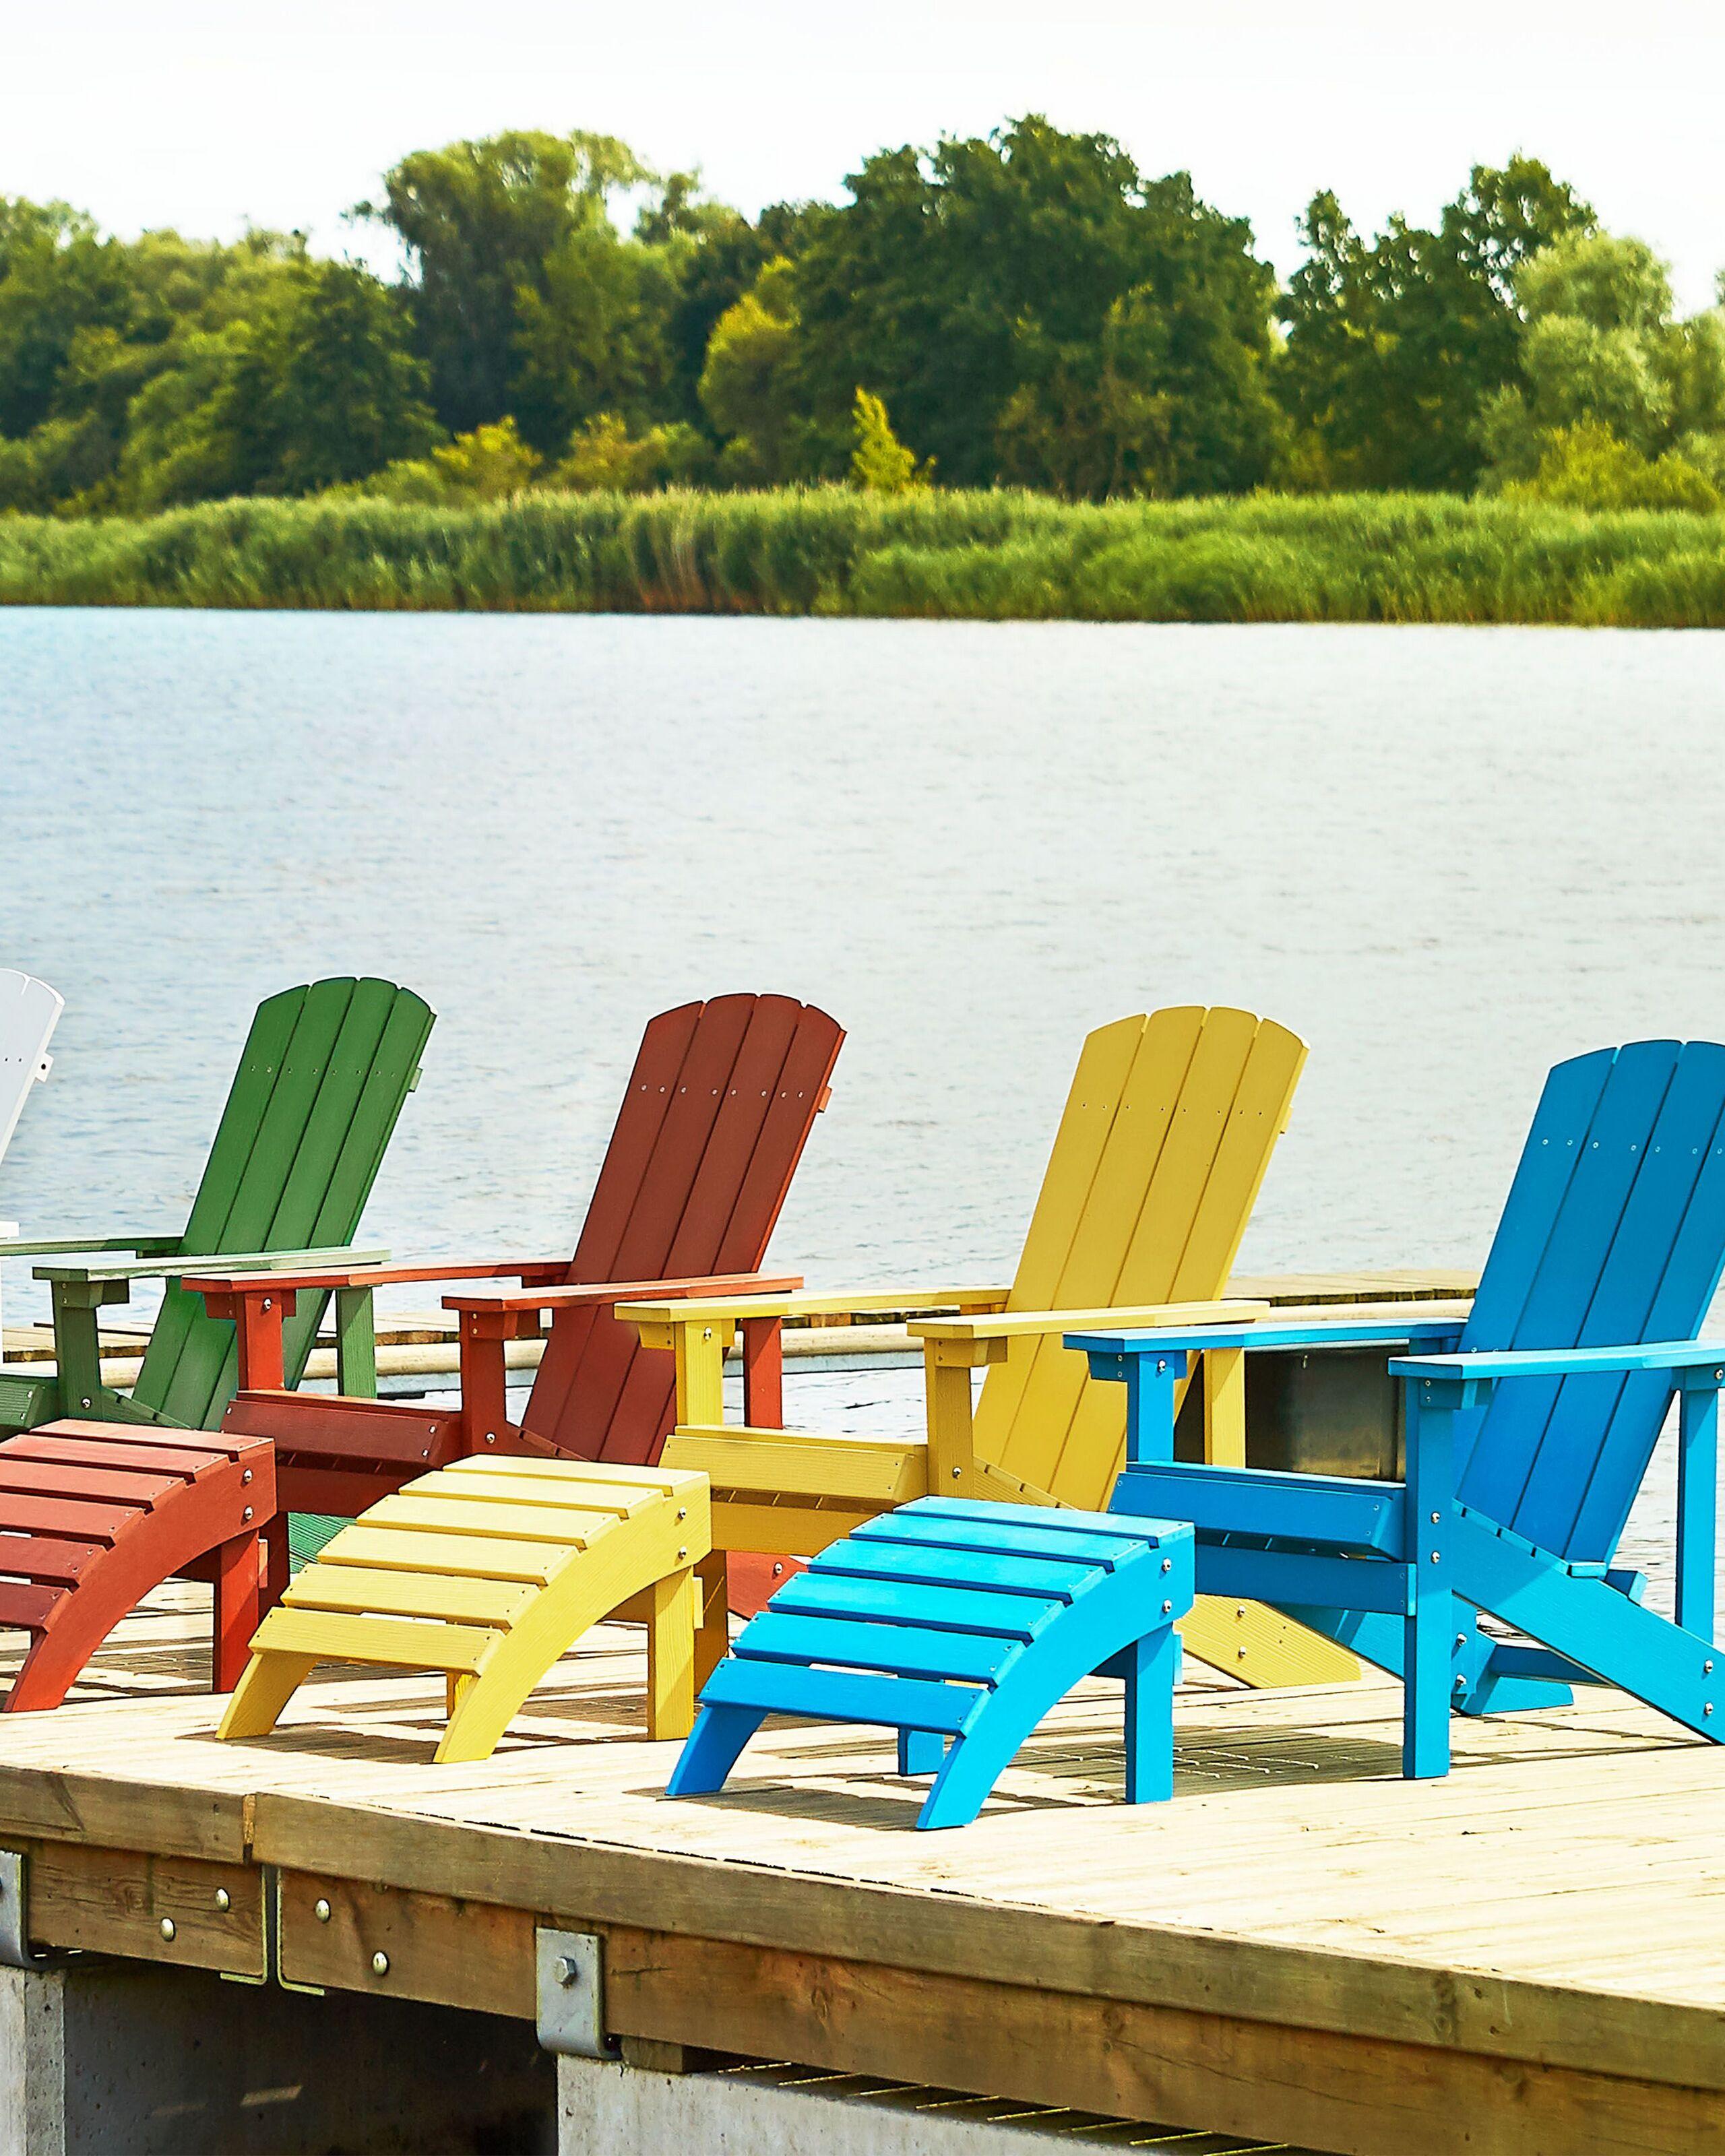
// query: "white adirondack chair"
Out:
[30,1011]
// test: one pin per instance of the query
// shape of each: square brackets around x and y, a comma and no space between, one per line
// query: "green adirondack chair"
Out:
[322,1080]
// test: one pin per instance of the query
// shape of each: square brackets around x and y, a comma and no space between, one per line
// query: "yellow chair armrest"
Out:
[1032,1324]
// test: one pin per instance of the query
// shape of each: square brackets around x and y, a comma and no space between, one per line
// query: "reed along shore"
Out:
[993,556]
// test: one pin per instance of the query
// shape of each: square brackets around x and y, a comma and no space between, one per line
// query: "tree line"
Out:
[1028,309]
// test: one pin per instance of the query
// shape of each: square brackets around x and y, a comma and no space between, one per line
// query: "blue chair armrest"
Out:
[1110,1351]
[1676,1356]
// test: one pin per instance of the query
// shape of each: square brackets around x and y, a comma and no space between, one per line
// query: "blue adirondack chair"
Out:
[1529,1430]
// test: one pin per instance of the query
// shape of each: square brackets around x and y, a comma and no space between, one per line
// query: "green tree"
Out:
[490,464]
[479,222]
[604,458]
[722,257]
[1395,345]
[91,323]
[879,463]
[974,287]
[58,279]
[316,388]
[593,334]
[1588,467]
[1603,355]
[749,386]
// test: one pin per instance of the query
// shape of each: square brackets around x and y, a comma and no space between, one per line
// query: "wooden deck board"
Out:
[1558,1903]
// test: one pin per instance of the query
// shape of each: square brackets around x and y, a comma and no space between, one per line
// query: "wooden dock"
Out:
[1527,1959]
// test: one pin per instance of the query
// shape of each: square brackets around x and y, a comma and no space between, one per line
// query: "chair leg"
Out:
[920,1751]
[1153,1664]
[276,1561]
[239,1608]
[1426,1679]
[720,1734]
[713,1642]
[670,1656]
[270,1681]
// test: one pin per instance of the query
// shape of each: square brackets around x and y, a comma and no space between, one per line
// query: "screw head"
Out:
[86,1402]
[1437,1557]
[490,1437]
[956,1473]
[246,1516]
[1461,1639]
[1460,1683]
[1706,1669]
[225,1900]
[1709,1708]
[321,1910]
[1167,1609]
[268,1304]
[168,1928]
[380,1965]
[1435,1517]
[246,1477]
[683,1513]
[1168,1564]
[681,1554]
[1239,1654]
[567,1971]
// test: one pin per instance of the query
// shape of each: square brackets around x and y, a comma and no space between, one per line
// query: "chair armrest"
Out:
[821,1303]
[66,1246]
[362,1272]
[1021,1324]
[698,1331]
[1487,1366]
[1121,1347]
[596,1295]
[175,1265]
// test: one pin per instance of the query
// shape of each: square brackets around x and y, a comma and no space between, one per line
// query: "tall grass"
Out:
[981,555]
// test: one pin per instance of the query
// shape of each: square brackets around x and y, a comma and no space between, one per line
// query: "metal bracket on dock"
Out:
[570,1990]
[15,1914]
[272,1936]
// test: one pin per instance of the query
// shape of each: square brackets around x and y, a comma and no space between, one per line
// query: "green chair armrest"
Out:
[63,1246]
[173,1264]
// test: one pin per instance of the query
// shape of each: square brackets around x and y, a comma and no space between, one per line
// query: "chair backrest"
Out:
[1167,1132]
[1613,1232]
[30,1011]
[321,1082]
[718,1109]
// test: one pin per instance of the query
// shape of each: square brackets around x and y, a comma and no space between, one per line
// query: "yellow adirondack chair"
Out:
[1166,1137]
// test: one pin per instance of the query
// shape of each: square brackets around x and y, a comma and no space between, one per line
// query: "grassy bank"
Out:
[980,557]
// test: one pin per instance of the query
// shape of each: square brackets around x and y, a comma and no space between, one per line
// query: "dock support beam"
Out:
[109,2058]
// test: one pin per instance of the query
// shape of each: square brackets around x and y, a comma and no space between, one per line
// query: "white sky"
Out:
[203,113]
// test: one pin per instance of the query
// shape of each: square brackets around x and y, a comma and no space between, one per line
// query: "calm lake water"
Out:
[1446,857]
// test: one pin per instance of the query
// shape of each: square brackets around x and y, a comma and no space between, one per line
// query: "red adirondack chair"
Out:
[718,1108]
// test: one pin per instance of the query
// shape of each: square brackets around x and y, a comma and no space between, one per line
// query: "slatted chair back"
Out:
[1166,1133]
[1613,1233]
[321,1082]
[30,1011]
[718,1109]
